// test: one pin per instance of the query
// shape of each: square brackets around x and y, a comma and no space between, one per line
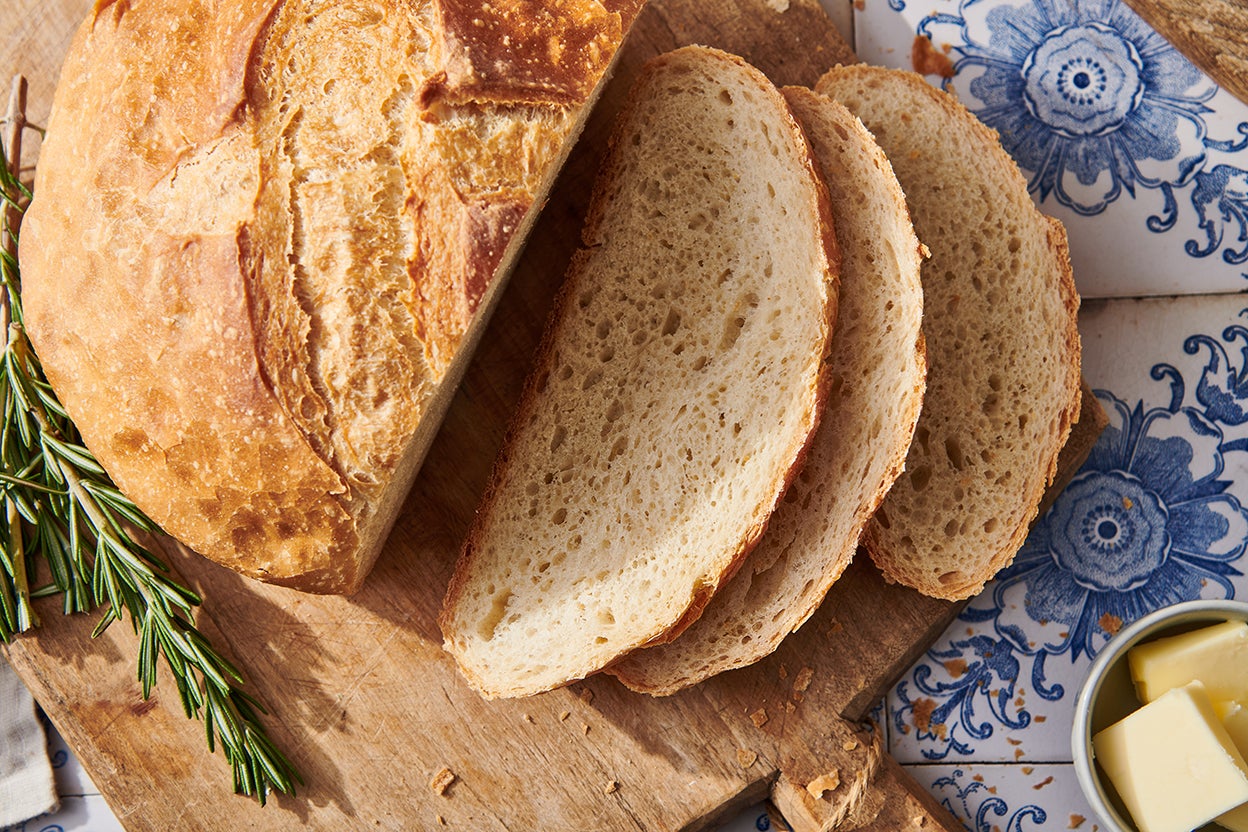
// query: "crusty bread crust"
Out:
[262,231]
[483,550]
[972,489]
[878,368]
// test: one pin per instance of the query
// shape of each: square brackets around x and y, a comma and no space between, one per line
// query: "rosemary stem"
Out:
[15,122]
[26,615]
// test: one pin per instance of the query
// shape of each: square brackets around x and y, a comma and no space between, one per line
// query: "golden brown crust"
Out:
[452,272]
[525,52]
[190,224]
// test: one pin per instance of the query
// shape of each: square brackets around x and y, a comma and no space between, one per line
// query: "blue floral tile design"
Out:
[1135,149]
[756,819]
[996,798]
[1148,523]
[1086,97]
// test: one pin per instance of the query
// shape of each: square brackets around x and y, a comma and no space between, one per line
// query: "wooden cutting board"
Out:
[364,699]
[1213,34]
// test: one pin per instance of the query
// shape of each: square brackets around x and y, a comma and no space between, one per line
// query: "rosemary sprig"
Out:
[59,506]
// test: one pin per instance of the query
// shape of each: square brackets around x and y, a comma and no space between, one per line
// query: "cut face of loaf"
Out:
[1002,344]
[877,372]
[677,385]
[266,234]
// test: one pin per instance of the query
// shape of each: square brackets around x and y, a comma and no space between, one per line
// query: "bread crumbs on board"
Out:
[802,680]
[759,717]
[746,758]
[611,788]
[442,780]
[823,784]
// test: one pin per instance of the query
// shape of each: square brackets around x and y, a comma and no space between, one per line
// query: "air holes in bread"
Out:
[498,610]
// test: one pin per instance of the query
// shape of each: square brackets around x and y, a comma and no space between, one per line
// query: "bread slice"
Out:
[265,237]
[877,368]
[1003,347]
[676,388]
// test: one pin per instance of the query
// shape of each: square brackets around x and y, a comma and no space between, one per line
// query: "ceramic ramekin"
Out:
[1108,694]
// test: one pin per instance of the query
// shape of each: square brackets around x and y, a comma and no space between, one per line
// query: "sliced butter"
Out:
[1234,718]
[1173,763]
[1216,655]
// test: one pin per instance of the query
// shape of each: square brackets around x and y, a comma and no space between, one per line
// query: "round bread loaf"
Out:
[263,234]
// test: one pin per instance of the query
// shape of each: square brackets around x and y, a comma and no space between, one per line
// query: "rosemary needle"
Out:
[60,507]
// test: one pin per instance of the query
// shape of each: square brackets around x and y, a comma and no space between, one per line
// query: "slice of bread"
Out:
[1003,348]
[877,368]
[675,391]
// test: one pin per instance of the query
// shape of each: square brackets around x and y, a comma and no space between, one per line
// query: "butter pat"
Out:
[1216,655]
[1234,718]
[1173,763]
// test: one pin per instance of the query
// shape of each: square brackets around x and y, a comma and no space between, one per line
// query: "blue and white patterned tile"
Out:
[80,813]
[1006,798]
[1156,516]
[1142,156]
[71,778]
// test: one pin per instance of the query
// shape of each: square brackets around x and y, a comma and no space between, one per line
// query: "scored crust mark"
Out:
[334,295]
[1003,383]
[676,387]
[877,369]
[253,169]
[522,54]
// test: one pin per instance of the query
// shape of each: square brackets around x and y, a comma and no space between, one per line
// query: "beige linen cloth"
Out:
[26,785]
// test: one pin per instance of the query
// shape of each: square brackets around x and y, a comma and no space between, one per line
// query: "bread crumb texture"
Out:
[877,369]
[677,387]
[1002,343]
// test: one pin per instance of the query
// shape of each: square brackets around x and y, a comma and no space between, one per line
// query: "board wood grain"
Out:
[1213,34]
[369,706]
